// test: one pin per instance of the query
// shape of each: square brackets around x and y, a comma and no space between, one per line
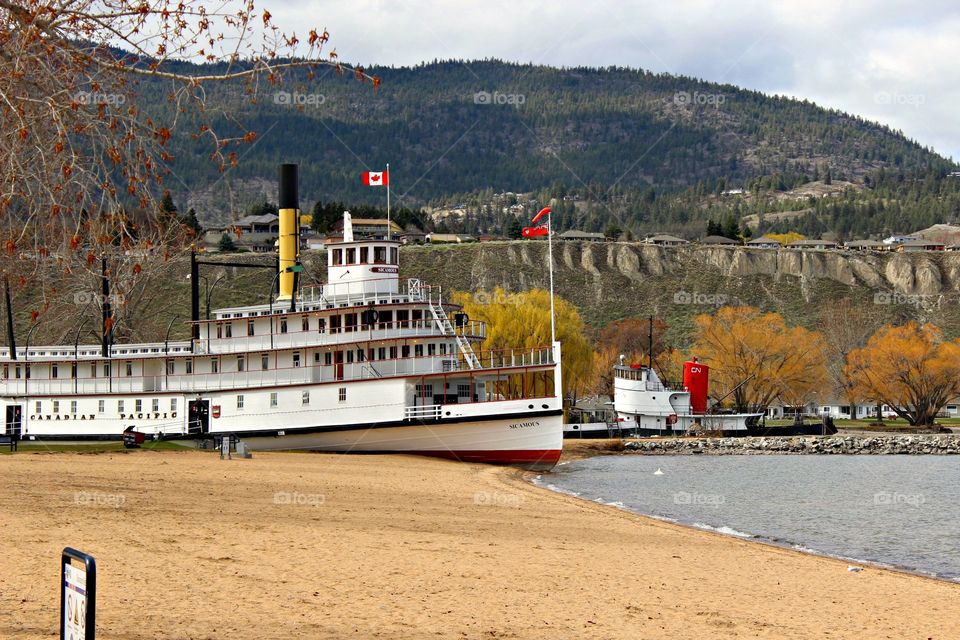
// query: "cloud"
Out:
[887,60]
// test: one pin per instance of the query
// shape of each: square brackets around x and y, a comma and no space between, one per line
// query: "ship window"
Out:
[296,358]
[56,406]
[350,321]
[128,368]
[424,390]
[73,370]
[38,406]
[138,405]
[349,356]
[273,399]
[250,331]
[16,372]
[361,355]
[119,406]
[371,354]
[188,365]
[155,405]
[283,325]
[394,253]
[321,325]
[379,255]
[219,330]
[101,406]
[463,390]
[364,255]
[337,257]
[418,350]
[335,324]
[417,314]
[264,361]
[351,256]
[328,358]
[229,329]
[214,365]
[393,353]
[173,404]
[431,349]
[382,353]
[343,394]
[171,367]
[54,371]
[240,402]
[305,398]
[305,323]
[241,363]
[405,351]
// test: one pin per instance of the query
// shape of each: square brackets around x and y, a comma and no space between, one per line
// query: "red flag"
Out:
[376,178]
[534,232]
[543,212]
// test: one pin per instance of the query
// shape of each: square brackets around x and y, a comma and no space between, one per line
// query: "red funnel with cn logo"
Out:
[696,377]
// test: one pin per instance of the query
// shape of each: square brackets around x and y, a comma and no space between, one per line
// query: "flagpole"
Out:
[553,333]
[388,201]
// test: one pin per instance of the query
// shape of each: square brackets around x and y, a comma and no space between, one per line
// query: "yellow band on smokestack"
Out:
[289,241]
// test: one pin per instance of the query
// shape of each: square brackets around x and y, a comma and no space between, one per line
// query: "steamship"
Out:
[363,363]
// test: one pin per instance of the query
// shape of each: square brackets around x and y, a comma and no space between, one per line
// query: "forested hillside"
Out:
[618,146]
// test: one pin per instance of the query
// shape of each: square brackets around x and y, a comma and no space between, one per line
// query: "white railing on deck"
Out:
[429,411]
[312,374]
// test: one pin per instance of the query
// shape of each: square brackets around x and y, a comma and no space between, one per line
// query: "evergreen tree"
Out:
[226,244]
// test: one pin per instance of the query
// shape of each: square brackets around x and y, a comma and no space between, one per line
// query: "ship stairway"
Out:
[447,328]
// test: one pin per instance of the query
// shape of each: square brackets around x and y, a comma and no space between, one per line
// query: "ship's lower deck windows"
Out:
[343,394]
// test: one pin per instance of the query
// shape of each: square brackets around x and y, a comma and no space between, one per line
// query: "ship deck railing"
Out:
[425,328]
[505,361]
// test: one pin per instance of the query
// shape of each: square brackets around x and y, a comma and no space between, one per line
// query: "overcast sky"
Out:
[895,62]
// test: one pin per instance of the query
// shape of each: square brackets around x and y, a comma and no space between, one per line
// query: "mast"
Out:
[650,344]
[388,201]
[107,314]
[11,340]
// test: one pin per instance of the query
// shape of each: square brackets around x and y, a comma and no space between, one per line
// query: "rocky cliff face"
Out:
[606,281]
[614,280]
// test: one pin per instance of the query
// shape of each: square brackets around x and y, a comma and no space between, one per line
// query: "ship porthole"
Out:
[546,406]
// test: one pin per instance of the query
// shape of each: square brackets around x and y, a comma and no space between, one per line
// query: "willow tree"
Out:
[522,320]
[909,368]
[756,358]
[83,164]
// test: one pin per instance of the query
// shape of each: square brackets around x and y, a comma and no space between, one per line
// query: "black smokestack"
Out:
[289,198]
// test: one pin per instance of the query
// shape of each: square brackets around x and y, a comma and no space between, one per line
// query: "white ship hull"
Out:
[535,441]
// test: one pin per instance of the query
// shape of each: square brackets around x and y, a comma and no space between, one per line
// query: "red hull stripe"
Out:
[511,456]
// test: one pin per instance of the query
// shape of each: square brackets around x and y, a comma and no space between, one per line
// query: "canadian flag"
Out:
[376,178]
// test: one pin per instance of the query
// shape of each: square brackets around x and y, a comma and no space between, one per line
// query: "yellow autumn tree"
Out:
[756,358]
[522,320]
[910,368]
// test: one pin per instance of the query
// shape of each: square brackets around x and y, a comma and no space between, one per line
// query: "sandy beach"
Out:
[329,546]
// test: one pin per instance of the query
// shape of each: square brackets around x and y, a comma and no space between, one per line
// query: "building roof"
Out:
[921,243]
[266,218]
[359,223]
[763,240]
[717,240]
[865,243]
[663,237]
[573,234]
[812,243]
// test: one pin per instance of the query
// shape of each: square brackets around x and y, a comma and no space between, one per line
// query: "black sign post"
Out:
[78,596]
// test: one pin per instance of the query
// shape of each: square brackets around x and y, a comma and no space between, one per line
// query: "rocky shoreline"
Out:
[932,444]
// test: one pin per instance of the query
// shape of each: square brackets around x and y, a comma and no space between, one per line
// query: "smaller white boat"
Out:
[645,406]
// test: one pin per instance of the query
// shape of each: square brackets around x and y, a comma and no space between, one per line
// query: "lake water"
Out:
[902,511]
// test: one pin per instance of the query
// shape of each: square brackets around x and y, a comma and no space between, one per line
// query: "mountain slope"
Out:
[620,138]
